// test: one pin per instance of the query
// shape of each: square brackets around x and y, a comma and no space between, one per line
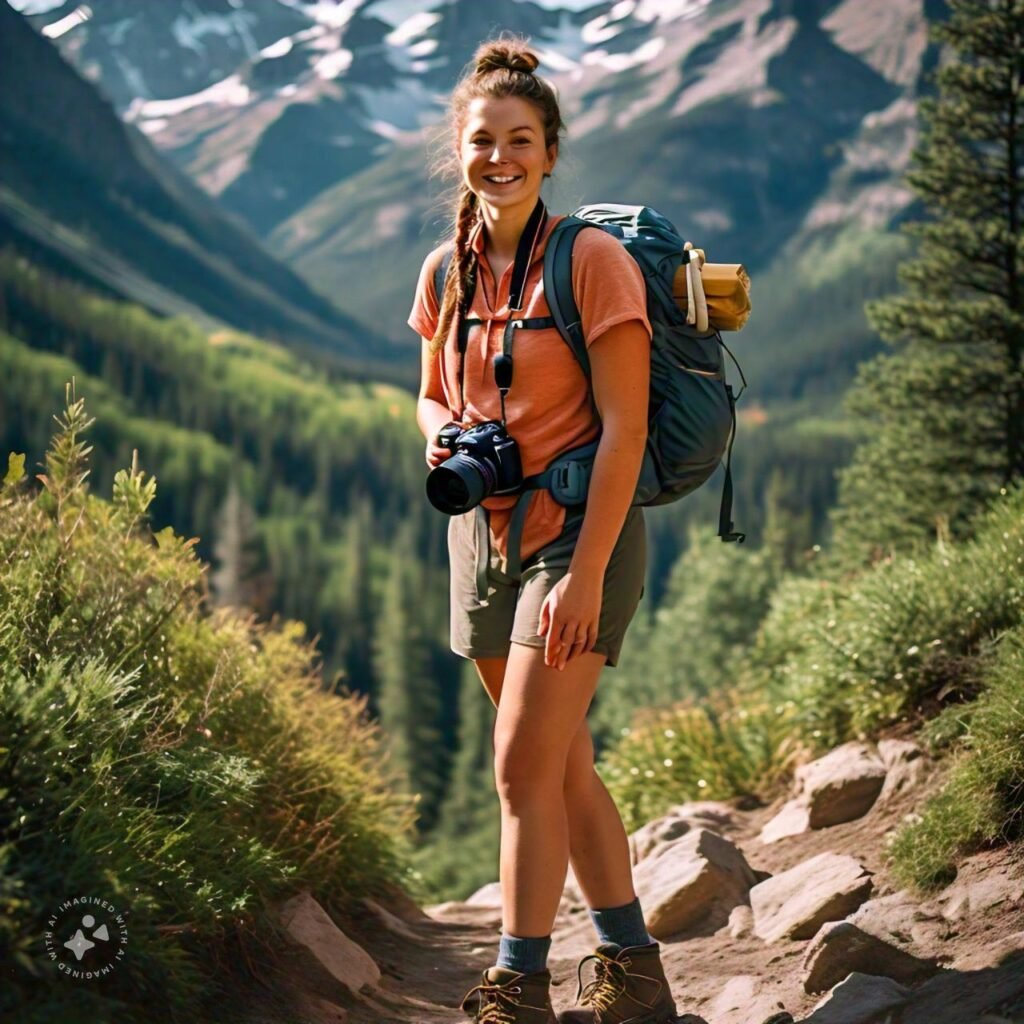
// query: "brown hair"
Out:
[500,67]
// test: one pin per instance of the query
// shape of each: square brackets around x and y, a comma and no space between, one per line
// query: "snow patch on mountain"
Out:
[407,108]
[412,27]
[231,91]
[278,49]
[334,64]
[622,61]
[664,11]
[189,32]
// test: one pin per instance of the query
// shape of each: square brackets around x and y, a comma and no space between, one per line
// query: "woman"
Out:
[541,620]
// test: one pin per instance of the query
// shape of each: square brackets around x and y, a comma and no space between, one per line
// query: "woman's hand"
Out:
[435,454]
[569,617]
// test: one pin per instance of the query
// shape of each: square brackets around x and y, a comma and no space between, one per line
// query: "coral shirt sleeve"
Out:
[608,285]
[424,314]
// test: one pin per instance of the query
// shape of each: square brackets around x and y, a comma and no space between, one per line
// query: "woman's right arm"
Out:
[432,411]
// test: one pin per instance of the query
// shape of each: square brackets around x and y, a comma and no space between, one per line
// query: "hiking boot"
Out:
[510,997]
[629,987]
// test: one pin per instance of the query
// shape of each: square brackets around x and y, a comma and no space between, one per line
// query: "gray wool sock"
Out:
[528,954]
[623,925]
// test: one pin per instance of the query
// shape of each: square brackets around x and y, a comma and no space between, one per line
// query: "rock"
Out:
[792,820]
[840,786]
[710,814]
[390,921]
[796,903]
[698,877]
[900,918]
[967,896]
[859,1000]
[741,921]
[743,999]
[840,948]
[309,925]
[397,901]
[488,895]
[905,767]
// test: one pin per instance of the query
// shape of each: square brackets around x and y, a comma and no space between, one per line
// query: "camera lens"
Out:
[459,484]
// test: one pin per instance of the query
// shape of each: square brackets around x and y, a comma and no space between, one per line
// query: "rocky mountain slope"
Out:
[760,911]
[762,127]
[84,193]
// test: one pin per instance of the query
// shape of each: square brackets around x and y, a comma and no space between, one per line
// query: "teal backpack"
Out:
[691,412]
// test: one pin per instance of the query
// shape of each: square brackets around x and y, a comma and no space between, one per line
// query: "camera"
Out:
[486,461]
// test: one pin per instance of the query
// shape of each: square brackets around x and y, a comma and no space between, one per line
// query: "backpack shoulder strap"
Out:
[558,286]
[442,271]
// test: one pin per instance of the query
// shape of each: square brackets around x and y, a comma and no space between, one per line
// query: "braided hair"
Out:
[500,67]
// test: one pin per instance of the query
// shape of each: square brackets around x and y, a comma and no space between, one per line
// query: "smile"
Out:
[501,179]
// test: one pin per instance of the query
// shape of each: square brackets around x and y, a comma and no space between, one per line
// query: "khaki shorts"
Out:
[511,612]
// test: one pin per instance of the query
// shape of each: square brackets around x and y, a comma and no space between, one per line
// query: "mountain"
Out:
[233,92]
[764,130]
[88,195]
[775,133]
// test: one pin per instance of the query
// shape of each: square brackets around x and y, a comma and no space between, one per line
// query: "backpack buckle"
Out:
[569,482]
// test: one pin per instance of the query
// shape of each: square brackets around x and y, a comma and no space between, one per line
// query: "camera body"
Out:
[485,460]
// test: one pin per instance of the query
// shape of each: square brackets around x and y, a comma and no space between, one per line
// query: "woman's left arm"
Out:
[620,364]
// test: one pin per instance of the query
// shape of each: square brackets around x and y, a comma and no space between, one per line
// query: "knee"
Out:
[580,773]
[523,774]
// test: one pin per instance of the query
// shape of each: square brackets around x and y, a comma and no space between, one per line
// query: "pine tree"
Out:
[233,580]
[462,852]
[944,413]
[407,697]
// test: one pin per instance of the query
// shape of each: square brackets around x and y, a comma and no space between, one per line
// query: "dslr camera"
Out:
[485,461]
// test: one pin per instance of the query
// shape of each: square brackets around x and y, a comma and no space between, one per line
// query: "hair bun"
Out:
[497,57]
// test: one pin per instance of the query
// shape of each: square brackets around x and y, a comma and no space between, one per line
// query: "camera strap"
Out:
[516,296]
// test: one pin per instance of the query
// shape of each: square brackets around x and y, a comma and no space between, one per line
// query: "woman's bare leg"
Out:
[598,846]
[538,715]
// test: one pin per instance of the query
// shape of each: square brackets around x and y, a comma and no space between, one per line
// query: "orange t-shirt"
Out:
[547,409]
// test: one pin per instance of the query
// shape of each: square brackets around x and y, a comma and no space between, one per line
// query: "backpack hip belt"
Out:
[567,477]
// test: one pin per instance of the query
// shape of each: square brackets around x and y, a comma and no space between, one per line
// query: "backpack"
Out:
[691,412]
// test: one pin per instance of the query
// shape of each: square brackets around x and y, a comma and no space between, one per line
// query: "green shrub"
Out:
[911,633]
[696,643]
[982,800]
[184,764]
[724,746]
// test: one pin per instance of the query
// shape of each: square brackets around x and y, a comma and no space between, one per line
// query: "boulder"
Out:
[390,921]
[699,877]
[488,895]
[309,925]
[796,903]
[906,765]
[860,999]
[900,918]
[841,948]
[970,894]
[743,999]
[741,921]
[840,786]
[792,820]
[710,814]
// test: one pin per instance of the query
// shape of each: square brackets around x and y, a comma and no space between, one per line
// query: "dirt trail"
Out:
[428,959]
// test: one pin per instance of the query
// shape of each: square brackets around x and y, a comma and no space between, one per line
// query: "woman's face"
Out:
[504,138]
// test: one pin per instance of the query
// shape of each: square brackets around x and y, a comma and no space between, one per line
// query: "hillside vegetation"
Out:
[185,762]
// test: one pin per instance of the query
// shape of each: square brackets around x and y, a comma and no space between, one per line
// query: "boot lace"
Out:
[496,1003]
[608,984]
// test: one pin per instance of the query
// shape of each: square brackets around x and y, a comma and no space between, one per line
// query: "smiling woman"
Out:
[541,594]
